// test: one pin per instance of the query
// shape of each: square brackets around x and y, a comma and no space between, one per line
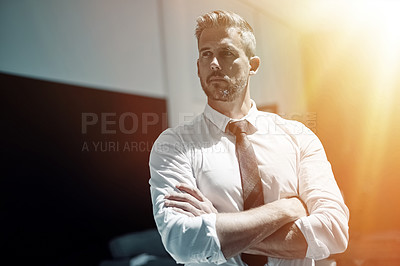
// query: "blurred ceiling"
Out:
[323,15]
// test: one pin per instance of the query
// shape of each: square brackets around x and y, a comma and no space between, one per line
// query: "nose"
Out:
[215,64]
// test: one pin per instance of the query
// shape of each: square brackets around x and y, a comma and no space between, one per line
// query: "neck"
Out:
[235,109]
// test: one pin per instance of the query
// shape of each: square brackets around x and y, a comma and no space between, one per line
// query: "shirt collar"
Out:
[221,120]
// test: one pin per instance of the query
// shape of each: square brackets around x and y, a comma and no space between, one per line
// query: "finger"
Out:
[183,206]
[196,193]
[207,208]
[192,191]
[210,208]
[184,197]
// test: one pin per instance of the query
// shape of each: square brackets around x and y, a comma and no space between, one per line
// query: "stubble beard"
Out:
[228,93]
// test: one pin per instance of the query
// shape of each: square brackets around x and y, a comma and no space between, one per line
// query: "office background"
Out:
[87,86]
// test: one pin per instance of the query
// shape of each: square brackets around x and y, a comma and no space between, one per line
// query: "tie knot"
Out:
[242,126]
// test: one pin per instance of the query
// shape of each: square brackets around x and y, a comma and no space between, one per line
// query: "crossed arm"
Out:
[266,230]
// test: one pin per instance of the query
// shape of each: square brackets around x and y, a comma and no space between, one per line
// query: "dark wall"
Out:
[69,184]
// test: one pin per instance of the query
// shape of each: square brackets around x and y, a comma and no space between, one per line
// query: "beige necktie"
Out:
[251,181]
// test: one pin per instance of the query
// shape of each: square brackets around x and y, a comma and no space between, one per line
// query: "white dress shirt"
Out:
[291,161]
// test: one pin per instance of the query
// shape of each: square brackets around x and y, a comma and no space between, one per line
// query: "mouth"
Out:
[216,79]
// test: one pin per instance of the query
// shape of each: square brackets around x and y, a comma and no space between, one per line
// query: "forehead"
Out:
[220,36]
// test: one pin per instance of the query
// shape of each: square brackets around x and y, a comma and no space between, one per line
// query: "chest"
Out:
[218,175]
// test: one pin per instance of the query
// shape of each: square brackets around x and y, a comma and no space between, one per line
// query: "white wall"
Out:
[144,47]
[279,79]
[185,96]
[113,45]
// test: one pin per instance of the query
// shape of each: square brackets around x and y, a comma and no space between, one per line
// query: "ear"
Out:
[254,64]
[198,69]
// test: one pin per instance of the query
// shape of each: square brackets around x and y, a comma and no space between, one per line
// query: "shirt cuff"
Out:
[216,256]
[316,250]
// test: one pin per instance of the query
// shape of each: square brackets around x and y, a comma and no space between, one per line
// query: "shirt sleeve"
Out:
[187,239]
[326,227]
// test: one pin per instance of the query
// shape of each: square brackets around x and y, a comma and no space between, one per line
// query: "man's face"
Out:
[223,67]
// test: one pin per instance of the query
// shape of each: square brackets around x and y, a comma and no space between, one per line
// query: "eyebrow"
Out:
[203,49]
[227,47]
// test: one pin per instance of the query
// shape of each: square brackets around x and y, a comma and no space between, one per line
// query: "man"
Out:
[204,208]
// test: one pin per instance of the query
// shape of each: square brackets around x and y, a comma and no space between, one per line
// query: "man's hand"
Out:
[243,231]
[288,242]
[190,201]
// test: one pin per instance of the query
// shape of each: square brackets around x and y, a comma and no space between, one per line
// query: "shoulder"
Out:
[182,134]
[184,129]
[274,123]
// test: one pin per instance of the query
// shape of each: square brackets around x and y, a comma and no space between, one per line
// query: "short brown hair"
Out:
[227,19]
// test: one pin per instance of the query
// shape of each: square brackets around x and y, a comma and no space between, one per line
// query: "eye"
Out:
[227,53]
[206,54]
